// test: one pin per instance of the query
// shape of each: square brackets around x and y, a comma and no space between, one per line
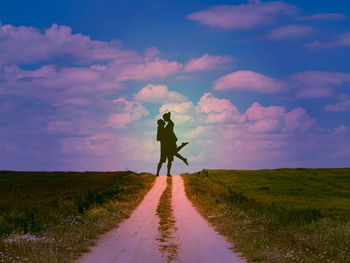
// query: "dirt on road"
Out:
[197,241]
[136,239]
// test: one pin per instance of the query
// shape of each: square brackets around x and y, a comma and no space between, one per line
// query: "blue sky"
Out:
[250,84]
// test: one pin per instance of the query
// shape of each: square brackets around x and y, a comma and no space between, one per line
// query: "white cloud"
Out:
[325,16]
[290,31]
[243,16]
[182,108]
[217,110]
[342,40]
[207,62]
[158,94]
[311,84]
[128,111]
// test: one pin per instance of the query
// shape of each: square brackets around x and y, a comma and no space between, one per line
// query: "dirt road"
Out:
[197,240]
[135,240]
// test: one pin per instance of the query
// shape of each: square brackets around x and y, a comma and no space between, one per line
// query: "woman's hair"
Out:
[166,115]
[160,122]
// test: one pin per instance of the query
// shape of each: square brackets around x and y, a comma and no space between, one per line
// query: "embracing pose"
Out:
[168,147]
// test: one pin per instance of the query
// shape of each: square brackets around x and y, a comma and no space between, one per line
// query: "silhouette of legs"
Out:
[164,156]
[169,168]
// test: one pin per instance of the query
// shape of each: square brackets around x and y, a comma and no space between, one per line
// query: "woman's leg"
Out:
[181,146]
[181,158]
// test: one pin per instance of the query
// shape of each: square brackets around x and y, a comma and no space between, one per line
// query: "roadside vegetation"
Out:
[167,224]
[56,216]
[282,215]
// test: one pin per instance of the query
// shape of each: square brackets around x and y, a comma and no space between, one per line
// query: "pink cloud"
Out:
[268,136]
[81,80]
[297,119]
[262,135]
[208,103]
[341,129]
[56,86]
[243,16]
[265,126]
[158,94]
[182,113]
[291,31]
[99,144]
[115,65]
[207,62]
[311,84]
[148,70]
[317,84]
[276,118]
[342,105]
[78,124]
[342,40]
[29,45]
[249,80]
[182,108]
[258,112]
[217,110]
[13,72]
[151,53]
[128,111]
[322,92]
[325,16]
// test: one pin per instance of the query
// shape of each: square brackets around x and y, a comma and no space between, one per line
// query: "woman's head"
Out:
[166,116]
[160,123]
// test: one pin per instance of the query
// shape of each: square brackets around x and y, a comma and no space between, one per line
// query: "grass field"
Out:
[54,216]
[283,215]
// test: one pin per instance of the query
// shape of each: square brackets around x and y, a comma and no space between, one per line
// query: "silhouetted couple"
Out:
[168,139]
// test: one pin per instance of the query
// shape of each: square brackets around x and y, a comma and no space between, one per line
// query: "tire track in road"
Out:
[197,240]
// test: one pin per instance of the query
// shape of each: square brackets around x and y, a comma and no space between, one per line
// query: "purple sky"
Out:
[250,85]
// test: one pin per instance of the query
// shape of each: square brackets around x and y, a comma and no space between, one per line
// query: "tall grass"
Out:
[53,216]
[282,215]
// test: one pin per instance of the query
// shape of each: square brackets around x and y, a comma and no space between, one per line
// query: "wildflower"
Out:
[28,238]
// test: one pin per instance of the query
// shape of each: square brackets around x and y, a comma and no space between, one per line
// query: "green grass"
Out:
[167,224]
[282,215]
[55,216]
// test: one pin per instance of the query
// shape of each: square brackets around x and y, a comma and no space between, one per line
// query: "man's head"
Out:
[160,123]
[166,116]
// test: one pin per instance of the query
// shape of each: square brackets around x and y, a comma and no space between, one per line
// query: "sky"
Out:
[250,84]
